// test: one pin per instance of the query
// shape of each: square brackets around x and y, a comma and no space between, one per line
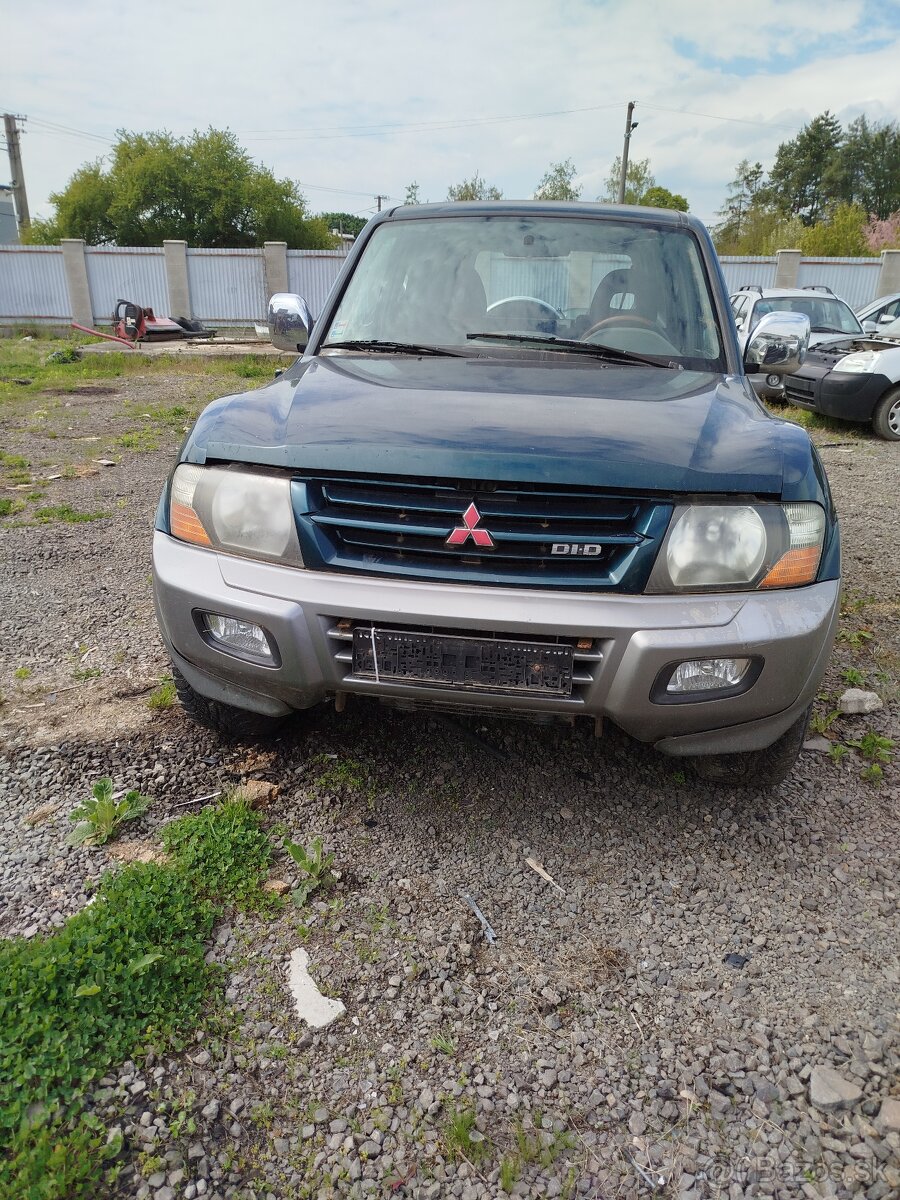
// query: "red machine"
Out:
[135,324]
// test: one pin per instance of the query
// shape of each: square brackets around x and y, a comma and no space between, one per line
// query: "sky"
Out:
[364,97]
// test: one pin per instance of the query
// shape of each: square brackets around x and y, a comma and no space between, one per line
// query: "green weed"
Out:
[855,638]
[822,722]
[853,677]
[9,507]
[873,773]
[837,752]
[23,672]
[101,815]
[314,866]
[510,1172]
[874,747]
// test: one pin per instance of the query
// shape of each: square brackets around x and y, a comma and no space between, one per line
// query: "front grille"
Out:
[588,653]
[400,526]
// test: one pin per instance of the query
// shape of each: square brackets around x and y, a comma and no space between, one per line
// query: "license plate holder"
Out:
[463,663]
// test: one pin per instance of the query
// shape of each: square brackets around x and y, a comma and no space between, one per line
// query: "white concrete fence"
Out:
[53,285]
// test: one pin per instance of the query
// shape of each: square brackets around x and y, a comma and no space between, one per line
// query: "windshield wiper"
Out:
[392,348]
[592,349]
[831,329]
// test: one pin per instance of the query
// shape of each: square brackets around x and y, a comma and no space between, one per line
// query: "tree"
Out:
[204,188]
[638,179]
[866,170]
[558,183]
[343,222]
[797,184]
[474,189]
[660,197]
[843,234]
[412,193]
[883,235]
[741,196]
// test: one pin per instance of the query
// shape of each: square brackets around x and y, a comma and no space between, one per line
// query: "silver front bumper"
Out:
[634,638]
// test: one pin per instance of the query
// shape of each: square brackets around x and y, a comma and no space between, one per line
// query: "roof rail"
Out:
[750,287]
[817,287]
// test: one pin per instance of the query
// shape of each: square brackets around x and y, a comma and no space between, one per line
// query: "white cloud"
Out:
[308,69]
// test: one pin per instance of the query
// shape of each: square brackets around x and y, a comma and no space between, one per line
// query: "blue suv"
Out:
[517,467]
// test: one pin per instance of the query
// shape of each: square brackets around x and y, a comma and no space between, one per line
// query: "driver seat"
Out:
[617,283]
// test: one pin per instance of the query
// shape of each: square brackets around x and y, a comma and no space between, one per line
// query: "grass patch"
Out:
[125,974]
[128,969]
[143,441]
[162,697]
[225,851]
[67,514]
[461,1137]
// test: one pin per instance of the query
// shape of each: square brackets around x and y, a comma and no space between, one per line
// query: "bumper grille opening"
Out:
[588,653]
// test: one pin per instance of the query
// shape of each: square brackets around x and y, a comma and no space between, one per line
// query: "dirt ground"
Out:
[605,1026]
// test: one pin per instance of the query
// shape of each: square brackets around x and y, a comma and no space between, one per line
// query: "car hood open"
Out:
[543,420]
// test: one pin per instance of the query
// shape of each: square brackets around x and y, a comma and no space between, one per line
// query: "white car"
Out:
[882,313]
[829,317]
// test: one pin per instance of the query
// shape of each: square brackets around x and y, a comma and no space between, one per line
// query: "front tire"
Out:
[224,718]
[886,417]
[760,769]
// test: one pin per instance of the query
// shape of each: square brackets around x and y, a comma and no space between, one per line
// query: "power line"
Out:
[687,112]
[323,133]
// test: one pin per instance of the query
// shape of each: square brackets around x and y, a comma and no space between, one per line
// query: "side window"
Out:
[739,308]
[889,313]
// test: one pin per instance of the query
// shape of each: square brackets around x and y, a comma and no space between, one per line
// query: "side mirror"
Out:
[290,322]
[778,344]
[870,326]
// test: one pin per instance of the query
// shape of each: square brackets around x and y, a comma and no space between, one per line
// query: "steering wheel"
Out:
[546,309]
[633,320]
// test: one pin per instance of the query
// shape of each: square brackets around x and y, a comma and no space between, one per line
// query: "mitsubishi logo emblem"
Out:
[467,530]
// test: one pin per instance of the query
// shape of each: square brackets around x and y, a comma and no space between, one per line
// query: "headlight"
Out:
[736,547]
[860,362]
[242,512]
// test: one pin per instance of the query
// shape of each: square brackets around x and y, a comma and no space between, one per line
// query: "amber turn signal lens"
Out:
[186,525]
[795,567]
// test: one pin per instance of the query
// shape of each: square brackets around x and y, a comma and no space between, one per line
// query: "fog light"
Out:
[240,637]
[707,675]
[773,381]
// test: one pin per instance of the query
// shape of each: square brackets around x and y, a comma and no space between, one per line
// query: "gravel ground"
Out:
[603,1042]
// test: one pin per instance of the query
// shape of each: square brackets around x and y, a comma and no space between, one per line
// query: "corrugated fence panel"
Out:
[135,273]
[228,287]
[311,274]
[33,286]
[544,278]
[739,270]
[853,279]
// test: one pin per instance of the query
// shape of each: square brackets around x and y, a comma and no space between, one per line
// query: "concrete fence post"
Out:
[175,252]
[276,268]
[787,268]
[77,281]
[888,274]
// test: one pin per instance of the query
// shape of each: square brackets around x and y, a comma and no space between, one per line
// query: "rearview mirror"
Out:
[779,344]
[290,322]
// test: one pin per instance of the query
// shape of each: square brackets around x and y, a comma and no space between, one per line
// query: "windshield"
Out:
[436,281]
[826,315]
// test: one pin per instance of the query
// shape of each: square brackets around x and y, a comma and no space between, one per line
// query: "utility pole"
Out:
[629,126]
[378,200]
[15,167]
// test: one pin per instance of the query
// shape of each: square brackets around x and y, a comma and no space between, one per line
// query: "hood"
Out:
[542,420]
